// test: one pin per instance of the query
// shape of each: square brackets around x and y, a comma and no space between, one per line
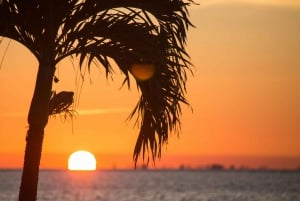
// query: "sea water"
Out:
[158,185]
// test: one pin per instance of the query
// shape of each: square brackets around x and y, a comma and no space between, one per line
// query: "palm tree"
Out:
[136,34]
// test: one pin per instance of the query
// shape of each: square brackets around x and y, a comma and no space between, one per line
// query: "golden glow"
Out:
[142,72]
[244,94]
[82,160]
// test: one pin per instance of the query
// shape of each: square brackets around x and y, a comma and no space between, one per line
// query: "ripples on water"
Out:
[158,186]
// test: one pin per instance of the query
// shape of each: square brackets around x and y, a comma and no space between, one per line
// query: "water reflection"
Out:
[158,185]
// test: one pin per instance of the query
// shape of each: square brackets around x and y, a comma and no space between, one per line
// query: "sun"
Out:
[82,161]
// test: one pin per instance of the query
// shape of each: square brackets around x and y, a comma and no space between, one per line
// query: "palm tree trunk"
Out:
[37,120]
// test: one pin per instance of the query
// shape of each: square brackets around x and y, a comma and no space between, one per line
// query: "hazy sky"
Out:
[244,93]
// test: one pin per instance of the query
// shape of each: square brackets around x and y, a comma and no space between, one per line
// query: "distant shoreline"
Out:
[168,170]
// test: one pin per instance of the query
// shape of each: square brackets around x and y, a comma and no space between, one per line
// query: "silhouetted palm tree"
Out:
[139,35]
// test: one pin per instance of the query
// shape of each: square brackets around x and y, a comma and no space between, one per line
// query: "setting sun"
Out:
[82,160]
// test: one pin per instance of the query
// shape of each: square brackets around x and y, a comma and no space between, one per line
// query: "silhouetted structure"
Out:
[216,167]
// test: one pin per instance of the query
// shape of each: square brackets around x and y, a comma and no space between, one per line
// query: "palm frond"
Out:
[60,104]
[159,107]
[141,32]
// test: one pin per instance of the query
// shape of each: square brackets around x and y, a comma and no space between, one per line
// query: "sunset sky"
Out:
[245,96]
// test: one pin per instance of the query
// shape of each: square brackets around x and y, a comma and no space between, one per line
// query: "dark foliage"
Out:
[128,31]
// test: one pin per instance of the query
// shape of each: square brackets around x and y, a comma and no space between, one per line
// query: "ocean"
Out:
[158,185]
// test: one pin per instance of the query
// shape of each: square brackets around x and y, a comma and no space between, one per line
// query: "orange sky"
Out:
[245,96]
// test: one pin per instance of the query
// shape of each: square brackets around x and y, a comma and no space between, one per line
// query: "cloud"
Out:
[288,3]
[79,112]
[103,111]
